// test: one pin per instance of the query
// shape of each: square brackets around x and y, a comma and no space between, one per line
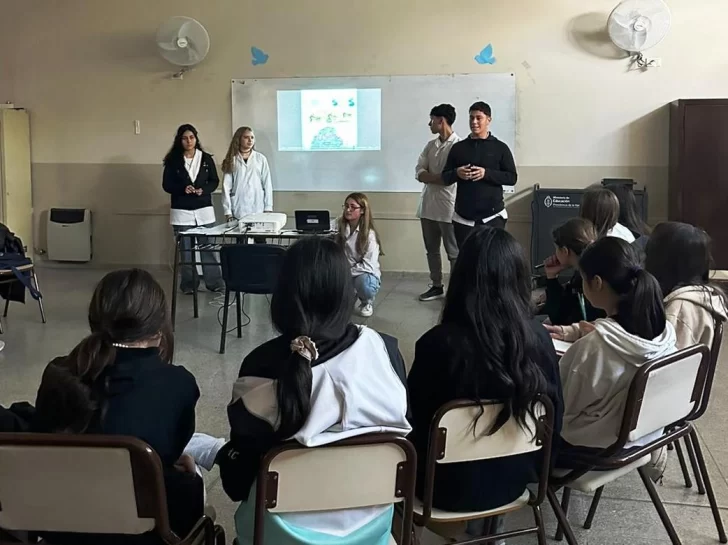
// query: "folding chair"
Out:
[692,445]
[665,394]
[88,484]
[453,439]
[247,268]
[7,276]
[364,471]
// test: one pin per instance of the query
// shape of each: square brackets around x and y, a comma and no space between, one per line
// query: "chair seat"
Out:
[22,268]
[591,481]
[439,515]
[392,541]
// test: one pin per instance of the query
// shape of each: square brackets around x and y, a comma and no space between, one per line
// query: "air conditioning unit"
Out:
[69,234]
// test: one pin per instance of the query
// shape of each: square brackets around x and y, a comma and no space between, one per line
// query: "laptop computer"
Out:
[313,221]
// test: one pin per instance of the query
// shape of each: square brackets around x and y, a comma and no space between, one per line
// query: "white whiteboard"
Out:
[406,102]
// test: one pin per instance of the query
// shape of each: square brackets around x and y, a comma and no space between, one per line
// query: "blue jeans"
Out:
[210,262]
[367,287]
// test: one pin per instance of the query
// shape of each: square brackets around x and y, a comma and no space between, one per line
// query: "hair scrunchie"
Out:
[634,272]
[305,347]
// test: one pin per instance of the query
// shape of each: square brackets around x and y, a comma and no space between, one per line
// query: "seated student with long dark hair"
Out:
[120,381]
[487,346]
[597,370]
[565,303]
[321,380]
[600,206]
[678,255]
[629,214]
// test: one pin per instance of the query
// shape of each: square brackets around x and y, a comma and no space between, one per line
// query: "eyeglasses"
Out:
[351,207]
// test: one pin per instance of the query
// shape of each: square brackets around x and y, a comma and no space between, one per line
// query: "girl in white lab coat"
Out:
[246,183]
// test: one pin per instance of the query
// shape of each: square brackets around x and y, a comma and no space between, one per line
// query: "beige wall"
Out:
[87,70]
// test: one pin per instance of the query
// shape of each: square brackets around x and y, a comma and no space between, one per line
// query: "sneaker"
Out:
[435,292]
[366,310]
[658,463]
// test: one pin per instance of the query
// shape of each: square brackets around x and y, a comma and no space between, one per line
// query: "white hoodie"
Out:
[692,311]
[596,373]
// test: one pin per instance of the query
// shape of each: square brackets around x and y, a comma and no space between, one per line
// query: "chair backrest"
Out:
[718,322]
[665,392]
[364,471]
[251,268]
[456,437]
[81,483]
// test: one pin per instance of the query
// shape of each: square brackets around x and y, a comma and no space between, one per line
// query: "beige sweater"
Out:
[692,311]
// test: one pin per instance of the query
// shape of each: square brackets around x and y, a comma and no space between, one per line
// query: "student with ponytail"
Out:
[597,370]
[321,380]
[120,381]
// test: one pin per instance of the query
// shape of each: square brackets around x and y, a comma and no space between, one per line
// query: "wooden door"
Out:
[16,194]
[704,173]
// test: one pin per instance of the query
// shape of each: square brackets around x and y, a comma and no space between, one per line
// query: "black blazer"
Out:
[435,379]
[562,302]
[176,179]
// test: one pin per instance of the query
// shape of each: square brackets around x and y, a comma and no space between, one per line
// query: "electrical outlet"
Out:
[137,127]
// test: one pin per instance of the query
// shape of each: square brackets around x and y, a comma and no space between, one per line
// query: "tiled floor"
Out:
[626,515]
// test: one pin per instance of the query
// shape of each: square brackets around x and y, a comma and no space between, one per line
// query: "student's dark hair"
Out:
[489,297]
[575,235]
[127,306]
[446,111]
[640,310]
[313,298]
[600,206]
[176,152]
[629,214]
[481,106]
[678,255]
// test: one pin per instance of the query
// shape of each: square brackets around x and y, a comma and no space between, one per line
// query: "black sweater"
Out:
[562,302]
[176,179]
[476,201]
[155,402]
[435,379]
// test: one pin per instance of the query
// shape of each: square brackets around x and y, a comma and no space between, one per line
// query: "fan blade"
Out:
[184,30]
[170,46]
[194,53]
[638,40]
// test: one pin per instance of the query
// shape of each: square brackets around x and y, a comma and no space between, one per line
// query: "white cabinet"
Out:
[16,205]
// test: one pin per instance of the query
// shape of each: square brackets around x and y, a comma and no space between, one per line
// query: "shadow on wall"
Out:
[588,32]
[136,50]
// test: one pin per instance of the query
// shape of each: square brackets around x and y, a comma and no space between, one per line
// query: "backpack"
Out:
[12,256]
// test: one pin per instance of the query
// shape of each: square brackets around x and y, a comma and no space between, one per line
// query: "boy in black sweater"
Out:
[481,165]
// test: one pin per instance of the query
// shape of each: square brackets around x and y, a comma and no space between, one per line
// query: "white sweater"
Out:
[596,373]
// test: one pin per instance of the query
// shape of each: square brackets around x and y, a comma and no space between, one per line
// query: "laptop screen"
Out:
[313,220]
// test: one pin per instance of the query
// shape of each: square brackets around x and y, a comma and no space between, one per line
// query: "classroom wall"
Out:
[87,70]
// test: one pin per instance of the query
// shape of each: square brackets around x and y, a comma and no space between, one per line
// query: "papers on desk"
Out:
[561,346]
[215,230]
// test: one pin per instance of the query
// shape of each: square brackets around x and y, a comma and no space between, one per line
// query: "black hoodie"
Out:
[479,200]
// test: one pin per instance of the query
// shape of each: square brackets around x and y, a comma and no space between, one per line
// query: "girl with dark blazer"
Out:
[487,346]
[120,381]
[190,177]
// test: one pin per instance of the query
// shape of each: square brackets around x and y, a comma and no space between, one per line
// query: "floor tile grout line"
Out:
[664,501]
[704,445]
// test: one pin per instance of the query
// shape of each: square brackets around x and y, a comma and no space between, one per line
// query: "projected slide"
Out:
[330,120]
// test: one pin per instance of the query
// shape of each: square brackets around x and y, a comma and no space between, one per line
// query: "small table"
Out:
[224,235]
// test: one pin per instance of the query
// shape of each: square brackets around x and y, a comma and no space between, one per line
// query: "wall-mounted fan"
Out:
[183,41]
[638,25]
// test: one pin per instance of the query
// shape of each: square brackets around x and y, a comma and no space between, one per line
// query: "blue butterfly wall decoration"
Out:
[486,55]
[259,56]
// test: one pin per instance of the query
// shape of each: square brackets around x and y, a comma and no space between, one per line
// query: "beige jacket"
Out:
[692,311]
[596,372]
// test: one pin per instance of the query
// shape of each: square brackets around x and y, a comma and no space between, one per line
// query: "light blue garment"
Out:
[367,287]
[280,532]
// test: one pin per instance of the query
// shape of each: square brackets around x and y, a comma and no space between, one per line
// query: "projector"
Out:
[266,222]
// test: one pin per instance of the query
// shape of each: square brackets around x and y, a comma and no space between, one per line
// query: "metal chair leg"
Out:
[565,498]
[34,278]
[694,464]
[667,523]
[7,305]
[239,305]
[561,517]
[708,486]
[683,465]
[538,516]
[593,508]
[223,333]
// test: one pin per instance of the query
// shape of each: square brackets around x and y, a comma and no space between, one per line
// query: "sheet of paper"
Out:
[561,346]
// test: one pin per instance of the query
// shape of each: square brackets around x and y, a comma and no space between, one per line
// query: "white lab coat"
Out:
[248,189]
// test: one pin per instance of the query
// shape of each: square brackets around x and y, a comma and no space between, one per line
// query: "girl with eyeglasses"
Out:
[360,240]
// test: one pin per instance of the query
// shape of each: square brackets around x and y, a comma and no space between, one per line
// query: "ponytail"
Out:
[71,397]
[640,310]
[293,388]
